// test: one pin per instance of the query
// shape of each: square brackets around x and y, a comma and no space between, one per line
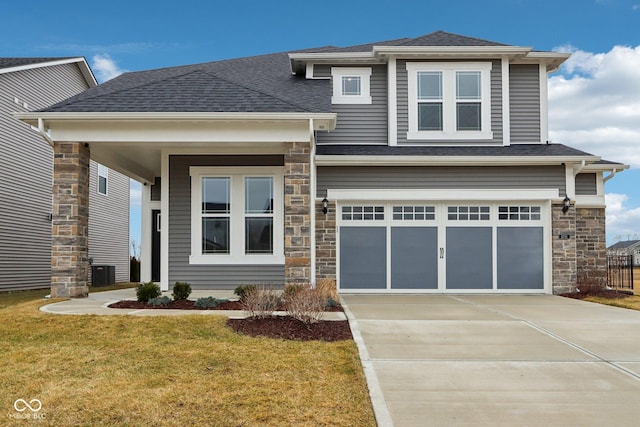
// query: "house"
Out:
[26,175]
[410,165]
[629,247]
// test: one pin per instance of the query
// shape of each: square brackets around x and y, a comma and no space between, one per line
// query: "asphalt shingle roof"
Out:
[427,150]
[624,245]
[254,84]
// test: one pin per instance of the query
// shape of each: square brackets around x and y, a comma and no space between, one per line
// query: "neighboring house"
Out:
[410,165]
[26,177]
[629,247]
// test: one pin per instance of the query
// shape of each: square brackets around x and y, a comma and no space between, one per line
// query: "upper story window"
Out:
[103,178]
[237,216]
[351,85]
[449,100]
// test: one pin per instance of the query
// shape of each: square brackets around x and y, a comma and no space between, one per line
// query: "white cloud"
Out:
[594,104]
[622,222]
[105,68]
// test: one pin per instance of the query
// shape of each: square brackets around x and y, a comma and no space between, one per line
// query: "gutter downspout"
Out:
[44,133]
[312,202]
[611,175]
[579,169]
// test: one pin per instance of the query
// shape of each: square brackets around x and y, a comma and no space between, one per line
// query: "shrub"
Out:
[146,291]
[159,301]
[306,305]
[243,290]
[331,302]
[260,301]
[181,290]
[327,287]
[291,290]
[207,302]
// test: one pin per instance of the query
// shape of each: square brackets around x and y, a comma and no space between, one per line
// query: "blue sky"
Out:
[594,100]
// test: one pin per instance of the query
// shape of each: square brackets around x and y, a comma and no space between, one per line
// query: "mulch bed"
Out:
[184,304]
[597,291]
[286,327]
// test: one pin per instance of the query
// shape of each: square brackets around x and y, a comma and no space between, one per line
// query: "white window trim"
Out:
[448,70]
[237,230]
[102,171]
[365,85]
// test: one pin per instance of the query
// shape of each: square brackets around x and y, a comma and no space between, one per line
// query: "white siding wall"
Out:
[109,222]
[26,167]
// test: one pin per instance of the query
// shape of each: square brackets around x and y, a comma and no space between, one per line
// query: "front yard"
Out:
[126,370]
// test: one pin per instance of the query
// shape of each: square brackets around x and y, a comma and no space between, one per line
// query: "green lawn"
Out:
[192,370]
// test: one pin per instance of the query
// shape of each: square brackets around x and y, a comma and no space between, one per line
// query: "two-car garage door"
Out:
[442,247]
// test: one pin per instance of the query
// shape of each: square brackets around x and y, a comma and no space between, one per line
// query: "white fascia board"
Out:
[553,60]
[335,56]
[329,160]
[322,121]
[599,167]
[442,194]
[452,51]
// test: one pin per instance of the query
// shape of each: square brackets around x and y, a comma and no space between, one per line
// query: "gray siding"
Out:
[208,276]
[403,99]
[322,71]
[361,123]
[475,177]
[109,222]
[26,167]
[524,99]
[586,184]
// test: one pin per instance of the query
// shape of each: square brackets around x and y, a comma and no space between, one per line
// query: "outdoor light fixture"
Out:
[325,205]
[567,204]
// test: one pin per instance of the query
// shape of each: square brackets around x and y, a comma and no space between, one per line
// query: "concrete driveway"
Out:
[508,360]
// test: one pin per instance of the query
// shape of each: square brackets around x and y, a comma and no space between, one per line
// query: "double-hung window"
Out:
[236,216]
[449,100]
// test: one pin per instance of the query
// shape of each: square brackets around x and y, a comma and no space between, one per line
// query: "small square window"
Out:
[103,178]
[351,85]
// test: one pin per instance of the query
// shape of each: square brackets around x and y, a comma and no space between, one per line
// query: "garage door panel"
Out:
[469,258]
[520,258]
[414,257]
[363,254]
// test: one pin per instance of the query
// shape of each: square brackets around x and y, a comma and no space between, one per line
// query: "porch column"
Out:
[564,267]
[70,227]
[591,246]
[297,213]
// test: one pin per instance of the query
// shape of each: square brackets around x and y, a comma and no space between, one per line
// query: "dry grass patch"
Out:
[191,370]
[631,302]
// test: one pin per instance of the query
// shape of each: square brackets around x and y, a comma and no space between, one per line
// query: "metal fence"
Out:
[620,271]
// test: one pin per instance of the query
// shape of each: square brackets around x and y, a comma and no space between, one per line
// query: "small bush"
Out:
[207,302]
[327,287]
[331,302]
[291,290]
[159,301]
[242,291]
[260,301]
[306,305]
[181,290]
[146,291]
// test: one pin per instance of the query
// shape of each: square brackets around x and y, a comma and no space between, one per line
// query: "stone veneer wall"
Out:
[70,222]
[591,246]
[326,241]
[297,213]
[564,271]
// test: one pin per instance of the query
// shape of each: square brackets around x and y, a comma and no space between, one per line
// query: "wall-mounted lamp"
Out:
[567,204]
[325,205]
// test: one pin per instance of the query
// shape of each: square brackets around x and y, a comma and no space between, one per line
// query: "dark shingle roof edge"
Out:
[519,150]
[624,245]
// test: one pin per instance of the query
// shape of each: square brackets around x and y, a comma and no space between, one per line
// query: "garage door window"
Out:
[519,213]
[363,213]
[468,213]
[414,213]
